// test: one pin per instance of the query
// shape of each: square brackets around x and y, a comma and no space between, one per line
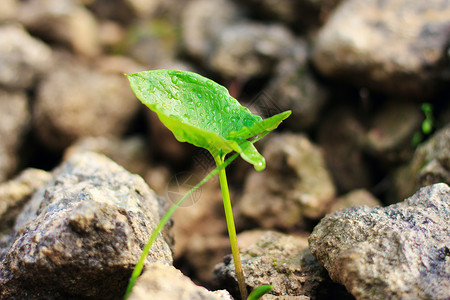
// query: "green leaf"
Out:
[201,112]
[259,292]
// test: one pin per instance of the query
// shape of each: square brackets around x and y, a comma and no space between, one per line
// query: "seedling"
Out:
[201,112]
[427,124]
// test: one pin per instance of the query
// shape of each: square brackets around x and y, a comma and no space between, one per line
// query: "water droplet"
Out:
[198,104]
[209,83]
[260,166]
[220,96]
[174,79]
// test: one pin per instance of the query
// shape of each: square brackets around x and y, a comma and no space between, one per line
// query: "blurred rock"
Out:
[396,47]
[341,135]
[358,197]
[295,186]
[249,49]
[431,161]
[400,251]
[82,233]
[302,15]
[75,101]
[14,122]
[23,59]
[165,282]
[65,22]
[203,21]
[389,139]
[8,10]
[283,261]
[132,153]
[15,193]
[294,88]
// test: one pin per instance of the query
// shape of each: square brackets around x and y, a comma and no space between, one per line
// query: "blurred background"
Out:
[368,83]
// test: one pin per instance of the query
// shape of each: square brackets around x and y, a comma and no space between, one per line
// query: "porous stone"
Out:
[165,282]
[82,233]
[285,262]
[396,47]
[401,251]
[75,101]
[23,59]
[14,123]
[62,21]
[295,186]
[15,193]
[357,197]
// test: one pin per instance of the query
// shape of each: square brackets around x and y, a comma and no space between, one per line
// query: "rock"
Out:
[75,101]
[23,59]
[165,282]
[400,251]
[395,47]
[8,10]
[203,21]
[248,49]
[283,261]
[358,197]
[82,233]
[341,135]
[295,186]
[63,21]
[132,153]
[431,161]
[294,88]
[390,140]
[14,123]
[302,15]
[15,193]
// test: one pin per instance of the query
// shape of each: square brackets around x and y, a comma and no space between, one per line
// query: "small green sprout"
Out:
[199,111]
[427,124]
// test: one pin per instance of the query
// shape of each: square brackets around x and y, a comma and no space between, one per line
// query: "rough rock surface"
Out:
[82,233]
[283,261]
[76,101]
[396,46]
[295,185]
[15,193]
[14,122]
[23,59]
[165,282]
[397,252]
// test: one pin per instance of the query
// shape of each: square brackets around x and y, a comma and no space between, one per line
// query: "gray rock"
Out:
[14,123]
[82,233]
[396,252]
[15,193]
[165,282]
[23,59]
[295,185]
[396,47]
[341,135]
[75,101]
[390,140]
[358,197]
[283,261]
[293,87]
[63,21]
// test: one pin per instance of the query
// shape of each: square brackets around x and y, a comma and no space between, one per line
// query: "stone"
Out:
[82,233]
[15,193]
[165,282]
[14,124]
[295,186]
[400,251]
[283,261]
[8,10]
[390,140]
[395,47]
[23,59]
[341,135]
[293,87]
[75,101]
[357,197]
[62,21]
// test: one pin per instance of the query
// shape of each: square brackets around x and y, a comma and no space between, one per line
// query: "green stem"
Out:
[140,265]
[231,228]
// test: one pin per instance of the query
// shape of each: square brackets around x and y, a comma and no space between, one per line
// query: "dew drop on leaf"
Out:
[174,79]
